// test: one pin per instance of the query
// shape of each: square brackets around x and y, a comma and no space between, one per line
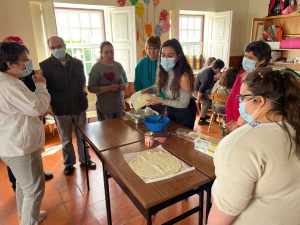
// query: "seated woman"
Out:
[176,81]
[258,165]
[108,80]
[223,87]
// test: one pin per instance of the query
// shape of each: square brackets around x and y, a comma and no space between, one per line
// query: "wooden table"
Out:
[108,134]
[152,197]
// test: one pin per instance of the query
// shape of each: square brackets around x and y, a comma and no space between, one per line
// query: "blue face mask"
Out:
[248,64]
[167,63]
[242,110]
[28,68]
[59,53]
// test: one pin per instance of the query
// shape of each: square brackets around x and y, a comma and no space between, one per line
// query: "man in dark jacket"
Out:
[204,84]
[65,82]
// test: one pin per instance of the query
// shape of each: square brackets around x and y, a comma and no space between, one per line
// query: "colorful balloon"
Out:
[121,2]
[155,3]
[166,26]
[133,2]
[148,29]
[146,2]
[139,7]
[158,30]
[164,15]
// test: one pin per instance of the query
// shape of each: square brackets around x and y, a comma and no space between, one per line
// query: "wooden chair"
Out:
[221,98]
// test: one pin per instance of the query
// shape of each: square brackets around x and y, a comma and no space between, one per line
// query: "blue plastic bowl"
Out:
[152,125]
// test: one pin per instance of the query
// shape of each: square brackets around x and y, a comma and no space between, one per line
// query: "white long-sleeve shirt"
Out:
[21,130]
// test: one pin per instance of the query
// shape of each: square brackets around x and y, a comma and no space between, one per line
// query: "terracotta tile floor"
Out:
[68,202]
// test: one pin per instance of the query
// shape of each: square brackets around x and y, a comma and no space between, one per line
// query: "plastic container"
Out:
[152,125]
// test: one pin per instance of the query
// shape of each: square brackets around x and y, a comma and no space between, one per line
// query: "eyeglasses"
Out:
[241,98]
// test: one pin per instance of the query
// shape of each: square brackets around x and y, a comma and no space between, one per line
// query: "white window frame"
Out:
[193,43]
[71,47]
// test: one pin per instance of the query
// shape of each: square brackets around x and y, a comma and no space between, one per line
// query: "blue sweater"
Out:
[145,73]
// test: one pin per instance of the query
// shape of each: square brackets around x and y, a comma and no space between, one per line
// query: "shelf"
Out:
[281,16]
[284,49]
[292,66]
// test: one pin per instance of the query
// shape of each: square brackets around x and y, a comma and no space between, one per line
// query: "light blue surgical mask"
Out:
[248,64]
[28,68]
[59,53]
[243,113]
[167,63]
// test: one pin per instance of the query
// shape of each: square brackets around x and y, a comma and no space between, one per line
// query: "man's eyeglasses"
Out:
[241,98]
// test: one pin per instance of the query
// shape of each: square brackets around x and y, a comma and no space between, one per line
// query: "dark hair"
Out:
[210,60]
[218,64]
[261,50]
[10,52]
[103,44]
[153,41]
[181,67]
[229,77]
[283,89]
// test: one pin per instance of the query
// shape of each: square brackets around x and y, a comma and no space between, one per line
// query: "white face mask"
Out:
[28,68]
[248,64]
[59,53]
[167,63]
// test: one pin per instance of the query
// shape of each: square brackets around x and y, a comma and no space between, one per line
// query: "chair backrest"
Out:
[215,97]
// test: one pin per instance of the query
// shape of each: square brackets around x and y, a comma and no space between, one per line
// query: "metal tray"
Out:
[137,116]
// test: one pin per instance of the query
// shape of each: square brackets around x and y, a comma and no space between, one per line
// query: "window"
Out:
[83,32]
[191,34]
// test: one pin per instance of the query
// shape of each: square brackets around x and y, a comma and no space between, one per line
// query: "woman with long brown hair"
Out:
[176,80]
[258,165]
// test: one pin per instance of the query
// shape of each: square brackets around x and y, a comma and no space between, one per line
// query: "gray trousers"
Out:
[65,125]
[205,107]
[30,185]
[107,116]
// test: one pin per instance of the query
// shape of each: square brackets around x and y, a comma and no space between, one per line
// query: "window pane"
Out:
[191,36]
[198,24]
[97,36]
[64,34]
[75,34]
[197,37]
[183,22]
[69,51]
[191,23]
[96,20]
[85,36]
[61,19]
[87,54]
[88,67]
[183,36]
[74,20]
[85,20]
[78,53]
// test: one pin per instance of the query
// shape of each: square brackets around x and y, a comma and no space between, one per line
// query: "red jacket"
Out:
[232,105]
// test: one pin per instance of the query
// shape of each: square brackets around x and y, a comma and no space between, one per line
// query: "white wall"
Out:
[15,19]
[23,19]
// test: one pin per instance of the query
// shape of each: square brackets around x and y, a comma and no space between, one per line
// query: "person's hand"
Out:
[231,126]
[114,87]
[145,91]
[38,78]
[122,87]
[43,115]
[154,101]
[202,101]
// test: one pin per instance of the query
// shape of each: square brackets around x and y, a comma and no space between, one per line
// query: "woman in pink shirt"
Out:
[257,54]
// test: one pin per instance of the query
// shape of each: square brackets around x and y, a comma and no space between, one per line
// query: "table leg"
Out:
[107,197]
[86,167]
[149,219]
[208,201]
[201,208]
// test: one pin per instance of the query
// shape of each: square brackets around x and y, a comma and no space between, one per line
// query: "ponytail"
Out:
[291,88]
